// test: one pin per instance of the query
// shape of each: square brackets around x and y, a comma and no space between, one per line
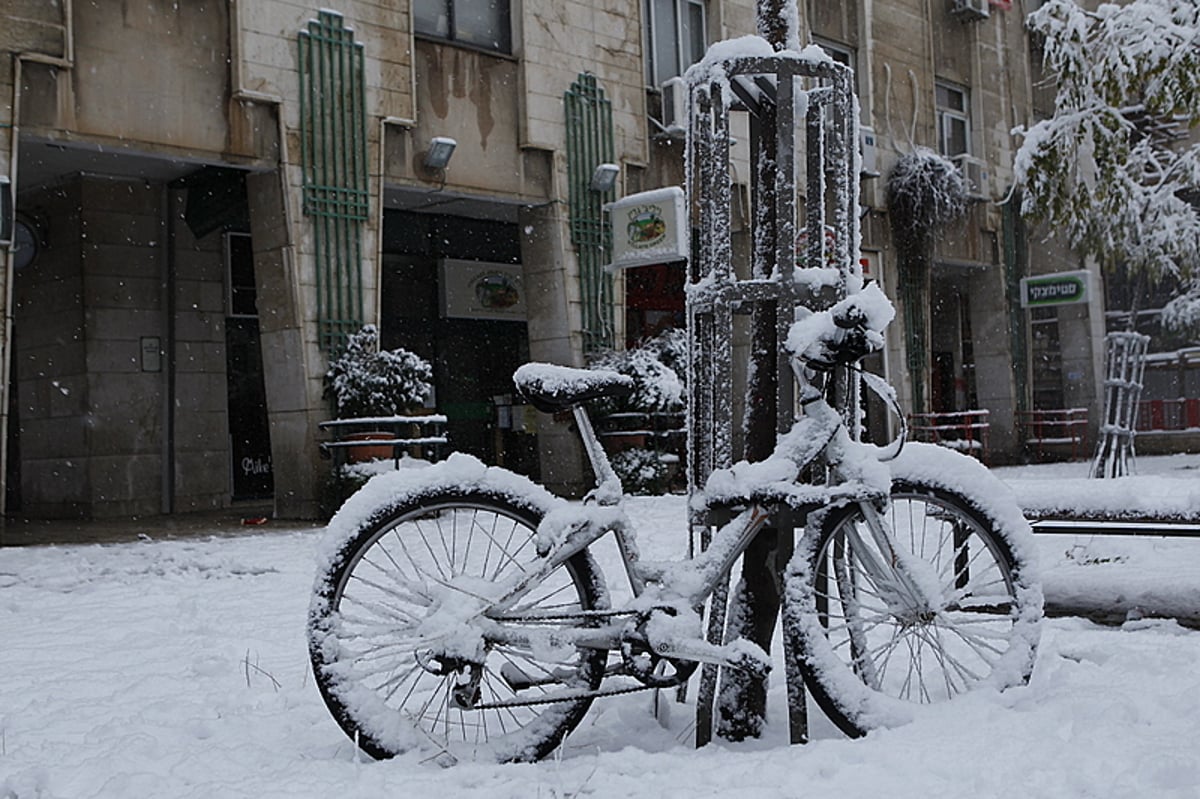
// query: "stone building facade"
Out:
[210,193]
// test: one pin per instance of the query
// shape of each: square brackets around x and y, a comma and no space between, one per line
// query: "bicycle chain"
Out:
[583,614]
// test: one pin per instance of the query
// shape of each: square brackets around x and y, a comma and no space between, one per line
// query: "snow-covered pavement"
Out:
[178,669]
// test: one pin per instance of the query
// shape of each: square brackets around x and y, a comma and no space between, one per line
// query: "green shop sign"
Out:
[1061,288]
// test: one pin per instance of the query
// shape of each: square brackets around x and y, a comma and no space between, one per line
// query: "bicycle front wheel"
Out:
[870,650]
[392,693]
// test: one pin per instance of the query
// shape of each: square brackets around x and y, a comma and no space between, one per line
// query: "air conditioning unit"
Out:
[975,175]
[866,145]
[674,106]
[970,10]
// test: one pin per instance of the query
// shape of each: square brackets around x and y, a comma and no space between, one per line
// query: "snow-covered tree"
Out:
[1102,168]
[1110,168]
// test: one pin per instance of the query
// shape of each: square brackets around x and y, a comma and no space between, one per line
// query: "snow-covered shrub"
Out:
[1182,314]
[642,471]
[658,368]
[671,349]
[365,381]
[646,428]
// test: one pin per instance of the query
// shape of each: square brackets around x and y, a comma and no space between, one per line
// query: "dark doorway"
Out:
[654,300]
[473,358]
[249,431]
[941,395]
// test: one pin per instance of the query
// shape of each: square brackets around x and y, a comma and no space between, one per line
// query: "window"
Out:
[675,37]
[839,53]
[953,120]
[485,24]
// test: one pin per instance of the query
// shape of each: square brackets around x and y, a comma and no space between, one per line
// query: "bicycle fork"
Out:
[908,585]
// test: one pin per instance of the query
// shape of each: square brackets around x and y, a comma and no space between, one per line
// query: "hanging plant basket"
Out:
[925,191]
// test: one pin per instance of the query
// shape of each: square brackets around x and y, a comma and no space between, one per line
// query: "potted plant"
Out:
[644,429]
[371,384]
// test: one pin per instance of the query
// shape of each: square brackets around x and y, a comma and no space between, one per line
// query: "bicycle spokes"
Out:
[919,607]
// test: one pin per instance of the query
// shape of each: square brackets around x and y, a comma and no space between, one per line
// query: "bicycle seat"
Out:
[552,388]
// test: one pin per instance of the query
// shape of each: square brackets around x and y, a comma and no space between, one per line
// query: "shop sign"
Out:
[481,290]
[650,227]
[1061,288]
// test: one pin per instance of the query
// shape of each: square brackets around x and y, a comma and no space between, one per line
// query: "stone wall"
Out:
[91,386]
[50,369]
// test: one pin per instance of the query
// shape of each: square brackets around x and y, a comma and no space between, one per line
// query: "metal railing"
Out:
[966,431]
[589,144]
[1168,415]
[1056,428]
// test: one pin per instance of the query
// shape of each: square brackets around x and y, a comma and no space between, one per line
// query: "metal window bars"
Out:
[589,124]
[333,145]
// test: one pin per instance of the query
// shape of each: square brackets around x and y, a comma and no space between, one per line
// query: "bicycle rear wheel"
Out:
[868,656]
[392,693]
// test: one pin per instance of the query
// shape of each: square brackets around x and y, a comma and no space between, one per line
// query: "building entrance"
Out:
[452,292]
[249,433]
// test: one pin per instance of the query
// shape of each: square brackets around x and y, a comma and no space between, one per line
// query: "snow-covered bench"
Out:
[1137,505]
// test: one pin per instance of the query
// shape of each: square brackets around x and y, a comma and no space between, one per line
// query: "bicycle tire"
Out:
[383,578]
[847,630]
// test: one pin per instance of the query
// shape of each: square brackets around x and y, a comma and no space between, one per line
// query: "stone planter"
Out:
[369,452]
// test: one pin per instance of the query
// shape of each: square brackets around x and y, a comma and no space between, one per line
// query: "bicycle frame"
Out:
[755,490]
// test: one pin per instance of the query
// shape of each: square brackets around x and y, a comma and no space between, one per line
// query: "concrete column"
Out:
[1091,358]
[993,360]
[6,169]
[293,398]
[553,337]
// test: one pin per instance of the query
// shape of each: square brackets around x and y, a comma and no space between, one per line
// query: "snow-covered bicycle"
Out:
[458,610]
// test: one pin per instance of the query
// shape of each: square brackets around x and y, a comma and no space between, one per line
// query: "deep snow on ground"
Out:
[178,669]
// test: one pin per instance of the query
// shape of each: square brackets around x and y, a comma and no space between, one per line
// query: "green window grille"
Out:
[333,146]
[590,143]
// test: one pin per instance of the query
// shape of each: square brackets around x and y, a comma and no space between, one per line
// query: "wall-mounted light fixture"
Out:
[6,212]
[440,150]
[604,178]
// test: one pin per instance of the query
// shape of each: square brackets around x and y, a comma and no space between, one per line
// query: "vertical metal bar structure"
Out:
[333,145]
[714,364]
[590,143]
[780,93]
[1125,364]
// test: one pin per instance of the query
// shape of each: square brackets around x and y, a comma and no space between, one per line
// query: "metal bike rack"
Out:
[742,284]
